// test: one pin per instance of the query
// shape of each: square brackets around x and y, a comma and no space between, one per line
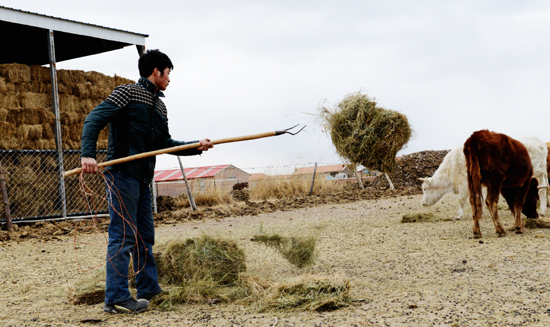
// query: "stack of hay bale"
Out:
[27,122]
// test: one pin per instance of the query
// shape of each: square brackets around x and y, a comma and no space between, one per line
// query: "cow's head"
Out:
[430,194]
[530,203]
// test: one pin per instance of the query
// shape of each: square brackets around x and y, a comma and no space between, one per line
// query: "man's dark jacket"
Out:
[138,123]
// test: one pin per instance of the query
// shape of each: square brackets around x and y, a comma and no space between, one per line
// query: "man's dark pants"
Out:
[131,224]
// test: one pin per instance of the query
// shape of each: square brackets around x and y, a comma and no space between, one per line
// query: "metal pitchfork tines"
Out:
[187,147]
[286,131]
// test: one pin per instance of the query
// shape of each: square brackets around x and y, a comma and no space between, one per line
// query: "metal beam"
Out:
[55,105]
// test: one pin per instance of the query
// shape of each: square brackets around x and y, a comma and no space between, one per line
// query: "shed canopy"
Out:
[25,38]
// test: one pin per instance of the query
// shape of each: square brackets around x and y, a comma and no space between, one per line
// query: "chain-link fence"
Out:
[37,190]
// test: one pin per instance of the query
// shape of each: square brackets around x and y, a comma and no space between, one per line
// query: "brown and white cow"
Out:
[502,164]
[451,176]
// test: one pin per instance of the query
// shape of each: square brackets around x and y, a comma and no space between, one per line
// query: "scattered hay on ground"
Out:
[536,223]
[299,251]
[422,218]
[307,293]
[88,290]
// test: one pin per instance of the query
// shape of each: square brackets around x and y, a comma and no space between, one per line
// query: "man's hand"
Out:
[205,145]
[89,165]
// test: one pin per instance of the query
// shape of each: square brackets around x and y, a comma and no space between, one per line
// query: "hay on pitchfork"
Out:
[366,134]
[298,250]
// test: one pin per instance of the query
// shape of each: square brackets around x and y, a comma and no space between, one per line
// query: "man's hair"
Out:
[152,59]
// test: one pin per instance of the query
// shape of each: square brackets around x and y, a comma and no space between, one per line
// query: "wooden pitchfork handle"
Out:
[185,147]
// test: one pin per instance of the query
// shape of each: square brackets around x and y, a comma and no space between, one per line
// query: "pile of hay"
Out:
[27,120]
[365,134]
[199,269]
[299,251]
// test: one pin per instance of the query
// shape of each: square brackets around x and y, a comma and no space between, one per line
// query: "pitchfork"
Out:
[187,147]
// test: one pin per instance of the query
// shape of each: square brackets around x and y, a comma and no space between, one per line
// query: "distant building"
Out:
[170,181]
[331,171]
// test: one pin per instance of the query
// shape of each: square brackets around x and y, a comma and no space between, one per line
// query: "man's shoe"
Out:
[128,306]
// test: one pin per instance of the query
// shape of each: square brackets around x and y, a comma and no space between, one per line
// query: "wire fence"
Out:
[36,189]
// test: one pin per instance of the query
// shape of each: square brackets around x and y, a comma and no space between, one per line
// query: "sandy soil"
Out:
[402,274]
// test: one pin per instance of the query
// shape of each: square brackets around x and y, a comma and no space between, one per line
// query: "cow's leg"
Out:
[509,196]
[476,216]
[493,194]
[542,199]
[462,200]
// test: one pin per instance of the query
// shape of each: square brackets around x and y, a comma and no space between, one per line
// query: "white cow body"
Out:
[451,176]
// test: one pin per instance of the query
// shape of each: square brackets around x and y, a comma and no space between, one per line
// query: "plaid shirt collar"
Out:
[150,86]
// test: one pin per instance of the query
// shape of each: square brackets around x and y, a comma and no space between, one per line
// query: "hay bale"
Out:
[366,134]
[15,73]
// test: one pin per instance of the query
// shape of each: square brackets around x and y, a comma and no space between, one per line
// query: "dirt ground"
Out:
[402,274]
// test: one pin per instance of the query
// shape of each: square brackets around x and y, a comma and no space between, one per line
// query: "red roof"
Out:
[194,172]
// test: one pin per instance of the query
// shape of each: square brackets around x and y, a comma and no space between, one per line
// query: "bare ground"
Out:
[402,274]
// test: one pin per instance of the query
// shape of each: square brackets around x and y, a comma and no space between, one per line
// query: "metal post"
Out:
[313,179]
[153,188]
[189,194]
[6,200]
[55,105]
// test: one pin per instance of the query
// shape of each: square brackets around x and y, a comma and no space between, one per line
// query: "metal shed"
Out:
[35,39]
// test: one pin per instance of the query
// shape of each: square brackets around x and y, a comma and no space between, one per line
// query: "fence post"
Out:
[189,194]
[153,188]
[55,105]
[6,200]
[313,179]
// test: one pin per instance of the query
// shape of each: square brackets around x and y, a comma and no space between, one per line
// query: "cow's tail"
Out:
[474,180]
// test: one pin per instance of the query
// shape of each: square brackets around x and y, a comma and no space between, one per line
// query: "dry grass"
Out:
[208,197]
[275,187]
[291,187]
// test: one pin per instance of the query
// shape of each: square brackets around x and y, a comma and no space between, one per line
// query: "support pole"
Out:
[55,105]
[359,179]
[153,188]
[189,194]
[9,225]
[389,181]
[313,179]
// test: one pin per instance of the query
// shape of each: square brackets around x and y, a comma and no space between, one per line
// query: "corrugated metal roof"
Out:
[27,38]
[191,173]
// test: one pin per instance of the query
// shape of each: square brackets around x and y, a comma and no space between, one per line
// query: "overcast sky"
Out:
[246,67]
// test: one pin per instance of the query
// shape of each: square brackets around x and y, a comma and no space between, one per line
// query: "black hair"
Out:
[152,59]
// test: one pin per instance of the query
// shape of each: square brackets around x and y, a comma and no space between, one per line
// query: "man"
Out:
[138,123]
